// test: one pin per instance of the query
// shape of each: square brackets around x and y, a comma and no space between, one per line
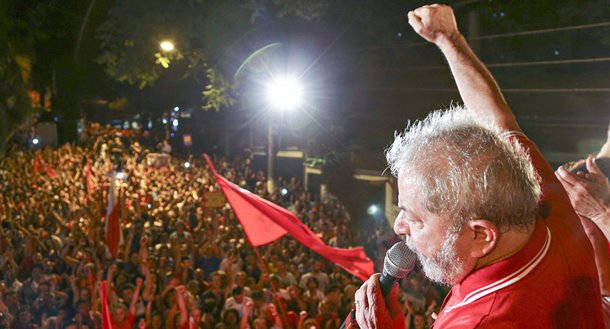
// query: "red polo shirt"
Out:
[551,283]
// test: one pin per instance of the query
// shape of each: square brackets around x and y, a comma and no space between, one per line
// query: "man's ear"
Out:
[484,236]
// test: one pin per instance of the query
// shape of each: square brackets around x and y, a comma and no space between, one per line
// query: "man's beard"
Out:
[446,267]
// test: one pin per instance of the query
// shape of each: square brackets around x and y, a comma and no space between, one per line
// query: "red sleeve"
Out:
[555,205]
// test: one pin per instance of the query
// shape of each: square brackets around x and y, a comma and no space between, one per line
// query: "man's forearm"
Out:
[476,85]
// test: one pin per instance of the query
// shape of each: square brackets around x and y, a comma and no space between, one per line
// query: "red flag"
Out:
[265,222]
[113,228]
[40,164]
[106,322]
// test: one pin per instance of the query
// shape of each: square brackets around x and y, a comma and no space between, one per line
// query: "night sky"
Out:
[367,72]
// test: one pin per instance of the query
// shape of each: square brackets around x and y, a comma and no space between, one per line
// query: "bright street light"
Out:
[166,45]
[284,93]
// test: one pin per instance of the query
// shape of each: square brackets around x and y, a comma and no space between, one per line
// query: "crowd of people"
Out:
[182,263]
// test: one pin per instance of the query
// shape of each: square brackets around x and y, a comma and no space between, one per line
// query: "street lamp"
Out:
[284,94]
[166,45]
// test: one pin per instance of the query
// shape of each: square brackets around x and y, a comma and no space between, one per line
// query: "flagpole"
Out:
[274,288]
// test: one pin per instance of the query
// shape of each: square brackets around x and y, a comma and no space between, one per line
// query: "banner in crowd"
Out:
[214,200]
[157,160]
[264,222]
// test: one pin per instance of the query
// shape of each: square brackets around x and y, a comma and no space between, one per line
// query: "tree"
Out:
[15,72]
[211,38]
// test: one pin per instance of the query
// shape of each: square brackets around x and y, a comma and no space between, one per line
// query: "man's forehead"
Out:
[408,193]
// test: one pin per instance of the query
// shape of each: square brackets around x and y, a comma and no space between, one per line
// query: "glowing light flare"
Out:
[372,210]
[284,191]
[187,164]
[35,141]
[284,93]
[166,45]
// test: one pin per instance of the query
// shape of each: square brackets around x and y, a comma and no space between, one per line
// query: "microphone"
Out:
[398,262]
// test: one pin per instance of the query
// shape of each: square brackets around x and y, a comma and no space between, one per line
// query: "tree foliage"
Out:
[202,31]
[15,72]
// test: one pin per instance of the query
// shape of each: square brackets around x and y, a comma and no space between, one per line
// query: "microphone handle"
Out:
[386,282]
[350,321]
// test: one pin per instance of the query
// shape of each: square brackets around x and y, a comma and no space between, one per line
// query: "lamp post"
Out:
[284,94]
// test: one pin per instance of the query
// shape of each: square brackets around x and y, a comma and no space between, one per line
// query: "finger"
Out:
[360,307]
[423,10]
[415,21]
[568,176]
[566,184]
[375,298]
[593,168]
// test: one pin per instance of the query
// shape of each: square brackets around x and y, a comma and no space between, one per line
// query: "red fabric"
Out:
[127,324]
[113,228]
[562,289]
[264,222]
[39,164]
[106,321]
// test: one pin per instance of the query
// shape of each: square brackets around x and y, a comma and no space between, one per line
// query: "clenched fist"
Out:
[434,22]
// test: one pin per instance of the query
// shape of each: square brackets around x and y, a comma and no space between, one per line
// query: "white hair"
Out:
[459,165]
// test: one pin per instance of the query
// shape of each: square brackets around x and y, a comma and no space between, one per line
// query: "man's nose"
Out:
[401,226]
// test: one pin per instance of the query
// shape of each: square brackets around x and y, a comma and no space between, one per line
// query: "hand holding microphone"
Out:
[376,304]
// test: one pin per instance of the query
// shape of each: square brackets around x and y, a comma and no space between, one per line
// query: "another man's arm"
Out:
[589,194]
[480,92]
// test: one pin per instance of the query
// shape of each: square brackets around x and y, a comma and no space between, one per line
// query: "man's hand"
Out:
[434,22]
[589,193]
[477,87]
[371,309]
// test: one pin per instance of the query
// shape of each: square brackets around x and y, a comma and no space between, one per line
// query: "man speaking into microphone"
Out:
[470,184]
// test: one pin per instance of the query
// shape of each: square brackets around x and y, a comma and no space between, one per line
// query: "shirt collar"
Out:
[501,274]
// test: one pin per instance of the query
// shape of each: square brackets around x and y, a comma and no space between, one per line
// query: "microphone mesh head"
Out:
[399,260]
